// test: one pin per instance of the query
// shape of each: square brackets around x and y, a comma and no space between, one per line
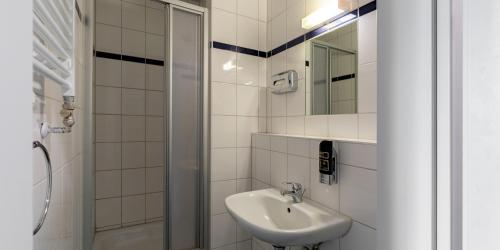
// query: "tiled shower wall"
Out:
[280,158]
[129,125]
[238,87]
[64,223]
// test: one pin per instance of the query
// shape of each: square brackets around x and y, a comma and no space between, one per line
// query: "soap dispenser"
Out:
[327,163]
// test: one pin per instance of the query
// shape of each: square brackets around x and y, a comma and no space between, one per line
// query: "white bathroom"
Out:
[250,124]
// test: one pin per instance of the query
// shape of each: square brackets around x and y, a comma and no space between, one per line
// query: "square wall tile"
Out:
[133,128]
[155,47]
[263,10]
[295,125]
[278,125]
[343,126]
[155,154]
[108,156]
[133,181]
[263,165]
[107,100]
[133,75]
[108,72]
[155,77]
[223,165]
[357,154]
[134,208]
[155,129]
[244,163]
[108,38]
[316,125]
[223,230]
[134,42]
[247,70]
[294,15]
[248,8]
[108,128]
[245,127]
[243,185]
[279,170]
[276,7]
[133,102]
[227,5]
[223,66]
[133,155]
[108,212]
[108,184]
[368,126]
[358,194]
[155,179]
[298,146]
[134,16]
[263,36]
[247,32]
[223,99]
[223,131]
[109,12]
[262,141]
[247,100]
[154,103]
[278,30]
[155,21]
[154,205]
[220,190]
[367,88]
[278,143]
[223,26]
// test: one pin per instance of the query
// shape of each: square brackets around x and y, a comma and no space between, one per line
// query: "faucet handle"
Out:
[295,185]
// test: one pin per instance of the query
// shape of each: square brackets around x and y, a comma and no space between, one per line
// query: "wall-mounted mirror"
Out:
[331,71]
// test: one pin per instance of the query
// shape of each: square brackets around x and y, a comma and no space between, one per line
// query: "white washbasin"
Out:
[277,220]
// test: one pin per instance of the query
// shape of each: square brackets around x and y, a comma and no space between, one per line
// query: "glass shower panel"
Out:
[185,128]
[320,80]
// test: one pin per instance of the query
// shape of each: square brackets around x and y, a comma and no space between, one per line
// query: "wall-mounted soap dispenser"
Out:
[327,163]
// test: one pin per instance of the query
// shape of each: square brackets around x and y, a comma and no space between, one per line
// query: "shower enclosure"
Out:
[187,137]
[180,150]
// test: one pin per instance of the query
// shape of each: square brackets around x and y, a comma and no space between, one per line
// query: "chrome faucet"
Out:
[296,192]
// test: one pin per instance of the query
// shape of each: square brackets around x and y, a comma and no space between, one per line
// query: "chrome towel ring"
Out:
[48,193]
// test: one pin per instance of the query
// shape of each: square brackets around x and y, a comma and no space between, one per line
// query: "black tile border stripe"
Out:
[344,77]
[363,10]
[128,58]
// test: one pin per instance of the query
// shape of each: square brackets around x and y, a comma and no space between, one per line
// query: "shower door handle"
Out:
[48,193]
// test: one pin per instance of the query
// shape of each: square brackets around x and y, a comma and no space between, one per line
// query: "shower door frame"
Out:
[204,148]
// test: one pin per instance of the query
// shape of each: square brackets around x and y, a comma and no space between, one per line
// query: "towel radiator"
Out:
[53,53]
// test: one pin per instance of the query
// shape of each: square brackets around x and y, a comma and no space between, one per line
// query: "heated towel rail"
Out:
[53,53]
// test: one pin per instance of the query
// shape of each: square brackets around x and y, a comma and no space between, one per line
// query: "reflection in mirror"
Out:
[331,79]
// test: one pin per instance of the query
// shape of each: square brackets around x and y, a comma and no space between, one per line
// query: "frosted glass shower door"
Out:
[185,128]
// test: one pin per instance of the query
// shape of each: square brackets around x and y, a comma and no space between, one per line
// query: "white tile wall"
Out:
[238,109]
[295,158]
[129,114]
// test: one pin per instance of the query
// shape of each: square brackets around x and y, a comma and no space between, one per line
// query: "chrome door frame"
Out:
[204,148]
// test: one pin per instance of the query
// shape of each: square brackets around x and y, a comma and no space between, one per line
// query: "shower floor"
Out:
[143,237]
